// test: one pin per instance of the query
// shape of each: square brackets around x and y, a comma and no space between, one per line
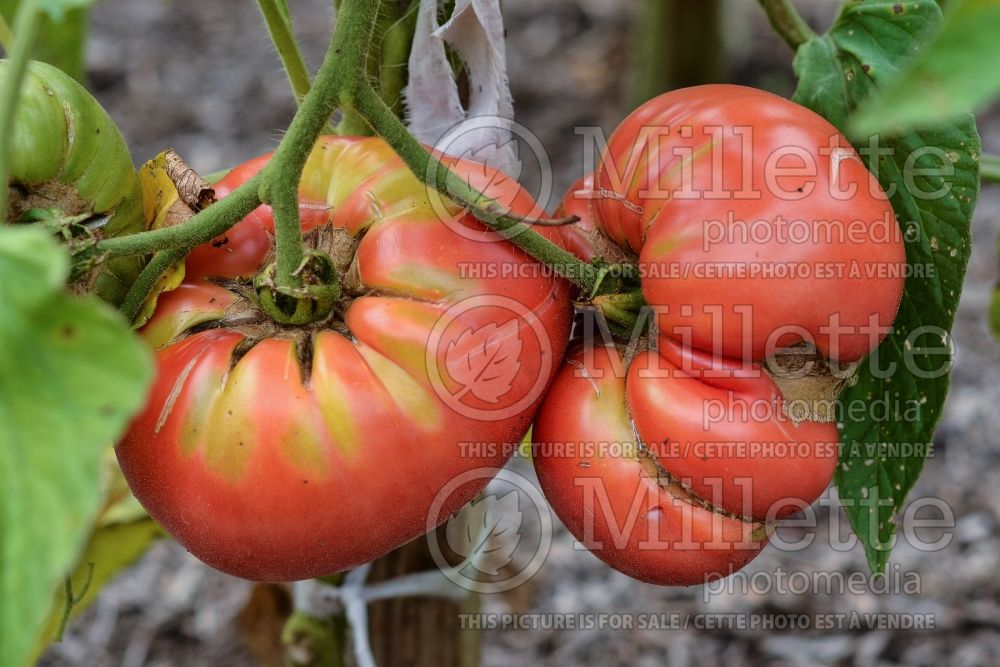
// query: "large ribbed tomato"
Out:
[760,239]
[755,222]
[280,453]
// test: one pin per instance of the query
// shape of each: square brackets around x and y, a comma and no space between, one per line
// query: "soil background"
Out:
[201,76]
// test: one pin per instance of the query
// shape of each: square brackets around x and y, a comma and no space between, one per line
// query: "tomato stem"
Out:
[342,80]
[72,600]
[429,169]
[201,228]
[26,24]
[787,22]
[343,70]
[146,281]
[396,44]
[6,36]
[989,169]
[279,27]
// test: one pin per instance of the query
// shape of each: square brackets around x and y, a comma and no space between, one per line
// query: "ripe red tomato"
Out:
[742,254]
[581,238]
[614,493]
[281,453]
[755,222]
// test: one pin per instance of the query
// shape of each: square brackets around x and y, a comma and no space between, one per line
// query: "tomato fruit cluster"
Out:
[281,452]
[759,237]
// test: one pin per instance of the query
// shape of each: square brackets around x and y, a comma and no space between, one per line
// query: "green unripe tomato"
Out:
[65,152]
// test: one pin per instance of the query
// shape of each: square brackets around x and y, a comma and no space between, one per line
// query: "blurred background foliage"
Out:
[202,76]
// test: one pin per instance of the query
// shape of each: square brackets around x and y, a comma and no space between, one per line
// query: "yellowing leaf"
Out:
[162,207]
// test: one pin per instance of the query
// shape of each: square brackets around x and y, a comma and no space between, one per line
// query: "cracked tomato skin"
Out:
[271,464]
[722,176]
[724,473]
[606,490]
[708,422]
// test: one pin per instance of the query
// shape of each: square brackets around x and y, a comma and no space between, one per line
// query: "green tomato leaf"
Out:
[932,177]
[72,374]
[950,76]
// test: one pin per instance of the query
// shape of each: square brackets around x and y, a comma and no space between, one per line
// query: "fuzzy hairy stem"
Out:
[279,27]
[989,169]
[429,169]
[201,228]
[396,44]
[787,22]
[147,279]
[343,70]
[277,183]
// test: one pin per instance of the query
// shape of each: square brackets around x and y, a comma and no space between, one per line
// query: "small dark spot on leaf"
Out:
[866,68]
[98,130]
[897,8]
[106,410]
[67,331]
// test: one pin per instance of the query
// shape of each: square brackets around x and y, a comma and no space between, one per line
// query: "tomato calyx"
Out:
[809,382]
[324,275]
[621,309]
[312,301]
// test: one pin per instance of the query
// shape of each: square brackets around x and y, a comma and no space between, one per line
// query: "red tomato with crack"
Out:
[284,453]
[616,495]
[581,238]
[695,183]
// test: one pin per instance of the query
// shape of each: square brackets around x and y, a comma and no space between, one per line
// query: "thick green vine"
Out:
[341,81]
[279,27]
[787,22]
[989,168]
